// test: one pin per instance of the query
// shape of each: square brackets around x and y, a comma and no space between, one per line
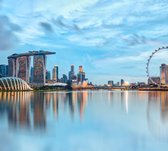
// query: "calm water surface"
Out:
[84,121]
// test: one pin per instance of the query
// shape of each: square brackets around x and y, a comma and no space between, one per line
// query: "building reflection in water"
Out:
[39,112]
[110,97]
[17,107]
[82,100]
[124,100]
[158,107]
[28,109]
[55,104]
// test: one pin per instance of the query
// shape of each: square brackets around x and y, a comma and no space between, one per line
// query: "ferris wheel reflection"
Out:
[158,109]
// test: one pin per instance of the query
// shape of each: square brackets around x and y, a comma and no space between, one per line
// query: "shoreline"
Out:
[80,89]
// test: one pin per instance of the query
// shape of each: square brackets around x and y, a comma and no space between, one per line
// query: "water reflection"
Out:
[85,120]
[157,114]
[29,109]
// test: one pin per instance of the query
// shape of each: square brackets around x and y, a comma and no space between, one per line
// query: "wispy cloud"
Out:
[97,21]
[107,32]
[136,39]
[107,61]
[65,24]
[8,38]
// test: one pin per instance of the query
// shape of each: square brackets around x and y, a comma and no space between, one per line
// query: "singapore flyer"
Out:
[163,82]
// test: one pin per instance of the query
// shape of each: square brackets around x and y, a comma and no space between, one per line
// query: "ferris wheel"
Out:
[148,63]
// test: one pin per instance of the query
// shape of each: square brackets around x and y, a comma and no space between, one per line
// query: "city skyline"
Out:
[108,39]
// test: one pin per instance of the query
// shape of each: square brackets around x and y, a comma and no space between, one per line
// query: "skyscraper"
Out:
[81,75]
[12,67]
[72,73]
[3,70]
[80,68]
[55,73]
[23,68]
[39,75]
[48,75]
[164,74]
[122,82]
[64,78]
[19,67]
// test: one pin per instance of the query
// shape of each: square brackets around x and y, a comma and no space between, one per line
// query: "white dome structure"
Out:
[13,83]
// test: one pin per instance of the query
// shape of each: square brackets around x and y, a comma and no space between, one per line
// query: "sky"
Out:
[111,39]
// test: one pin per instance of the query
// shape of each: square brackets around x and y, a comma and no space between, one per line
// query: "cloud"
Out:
[47,27]
[107,61]
[81,22]
[8,38]
[136,39]
[65,24]
[110,32]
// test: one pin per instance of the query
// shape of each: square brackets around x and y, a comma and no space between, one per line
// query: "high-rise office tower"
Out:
[81,75]
[72,73]
[48,75]
[39,75]
[3,70]
[55,73]
[80,68]
[122,82]
[64,78]
[164,74]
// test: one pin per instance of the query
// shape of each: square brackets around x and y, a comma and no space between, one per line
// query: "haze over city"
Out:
[110,39]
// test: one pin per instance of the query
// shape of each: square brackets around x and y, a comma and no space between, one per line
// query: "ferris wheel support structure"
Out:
[148,63]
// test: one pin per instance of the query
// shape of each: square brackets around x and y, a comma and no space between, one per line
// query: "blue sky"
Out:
[111,39]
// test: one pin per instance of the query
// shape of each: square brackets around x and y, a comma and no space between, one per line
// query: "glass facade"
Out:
[3,70]
[39,69]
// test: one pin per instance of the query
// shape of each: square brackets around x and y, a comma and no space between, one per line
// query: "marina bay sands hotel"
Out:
[19,66]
